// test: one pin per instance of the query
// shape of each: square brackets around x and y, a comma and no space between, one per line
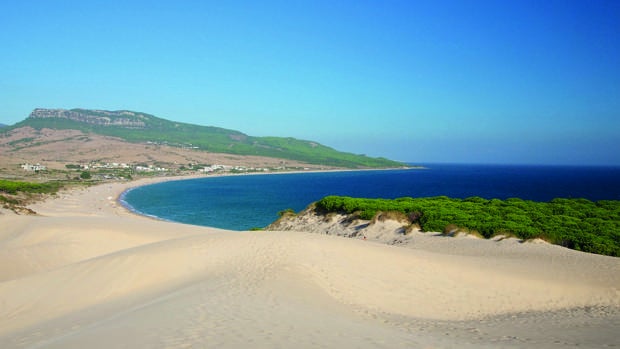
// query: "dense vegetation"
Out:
[15,187]
[15,194]
[213,139]
[579,224]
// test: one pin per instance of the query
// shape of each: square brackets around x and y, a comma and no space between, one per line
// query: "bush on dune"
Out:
[14,187]
[579,224]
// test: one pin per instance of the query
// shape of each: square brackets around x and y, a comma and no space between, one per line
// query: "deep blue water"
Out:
[244,202]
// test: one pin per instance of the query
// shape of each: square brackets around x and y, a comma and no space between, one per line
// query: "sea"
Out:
[243,202]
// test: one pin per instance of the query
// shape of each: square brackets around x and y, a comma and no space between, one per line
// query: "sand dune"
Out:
[89,274]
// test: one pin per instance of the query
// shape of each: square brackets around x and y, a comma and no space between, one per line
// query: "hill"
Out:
[142,128]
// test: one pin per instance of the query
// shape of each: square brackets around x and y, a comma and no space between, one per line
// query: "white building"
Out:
[32,168]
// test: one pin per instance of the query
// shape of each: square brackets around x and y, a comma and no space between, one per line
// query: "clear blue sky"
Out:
[423,81]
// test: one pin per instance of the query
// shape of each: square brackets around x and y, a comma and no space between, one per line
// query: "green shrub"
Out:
[14,187]
[287,212]
[579,224]
[8,200]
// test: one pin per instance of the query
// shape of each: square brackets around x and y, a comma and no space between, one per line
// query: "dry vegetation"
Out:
[57,148]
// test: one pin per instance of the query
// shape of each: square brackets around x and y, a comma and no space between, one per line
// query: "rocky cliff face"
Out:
[96,117]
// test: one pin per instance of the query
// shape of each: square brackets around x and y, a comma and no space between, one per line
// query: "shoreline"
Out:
[155,180]
[88,272]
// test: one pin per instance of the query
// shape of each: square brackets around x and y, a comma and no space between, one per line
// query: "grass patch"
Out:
[287,213]
[7,200]
[382,216]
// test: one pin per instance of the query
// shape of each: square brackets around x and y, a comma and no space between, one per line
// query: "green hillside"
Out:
[140,128]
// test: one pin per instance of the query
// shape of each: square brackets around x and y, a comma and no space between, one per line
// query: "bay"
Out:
[241,202]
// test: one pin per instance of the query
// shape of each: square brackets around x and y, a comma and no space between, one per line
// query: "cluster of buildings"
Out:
[98,166]
[226,168]
[33,168]
[108,165]
[114,165]
[152,168]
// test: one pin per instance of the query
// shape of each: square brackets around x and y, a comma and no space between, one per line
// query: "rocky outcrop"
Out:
[96,117]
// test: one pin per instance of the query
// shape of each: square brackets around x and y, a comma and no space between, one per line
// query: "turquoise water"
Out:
[244,202]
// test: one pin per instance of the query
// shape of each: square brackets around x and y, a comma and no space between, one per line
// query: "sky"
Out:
[509,82]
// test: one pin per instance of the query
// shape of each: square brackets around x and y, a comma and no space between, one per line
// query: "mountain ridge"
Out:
[138,127]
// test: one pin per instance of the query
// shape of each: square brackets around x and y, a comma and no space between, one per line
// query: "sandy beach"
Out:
[87,273]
